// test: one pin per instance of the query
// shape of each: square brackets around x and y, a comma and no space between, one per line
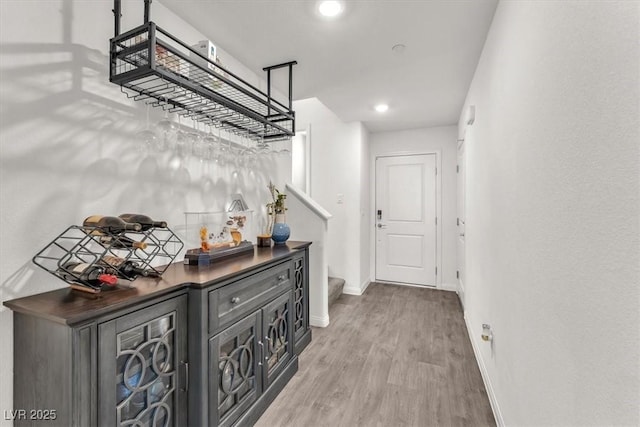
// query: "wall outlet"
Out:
[340,199]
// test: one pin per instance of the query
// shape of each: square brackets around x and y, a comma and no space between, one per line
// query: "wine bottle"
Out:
[121,242]
[85,273]
[111,224]
[125,268]
[145,221]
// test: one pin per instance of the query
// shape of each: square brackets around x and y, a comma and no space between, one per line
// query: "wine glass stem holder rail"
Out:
[153,66]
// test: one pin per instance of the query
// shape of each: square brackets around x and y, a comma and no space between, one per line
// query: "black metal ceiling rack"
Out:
[151,65]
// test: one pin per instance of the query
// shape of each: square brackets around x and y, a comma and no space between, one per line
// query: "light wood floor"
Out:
[395,356]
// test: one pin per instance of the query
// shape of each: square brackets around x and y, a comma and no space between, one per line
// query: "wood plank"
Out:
[395,356]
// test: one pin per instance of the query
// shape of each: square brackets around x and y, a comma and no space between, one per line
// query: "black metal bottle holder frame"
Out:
[84,245]
[151,65]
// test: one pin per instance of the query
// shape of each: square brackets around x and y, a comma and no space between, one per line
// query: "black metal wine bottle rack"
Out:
[151,65]
[91,245]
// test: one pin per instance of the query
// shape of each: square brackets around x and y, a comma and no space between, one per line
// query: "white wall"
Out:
[553,212]
[309,223]
[336,168]
[366,225]
[67,149]
[443,141]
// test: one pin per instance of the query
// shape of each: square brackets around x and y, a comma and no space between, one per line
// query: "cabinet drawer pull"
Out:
[186,376]
[270,345]
[282,277]
[235,300]
[261,353]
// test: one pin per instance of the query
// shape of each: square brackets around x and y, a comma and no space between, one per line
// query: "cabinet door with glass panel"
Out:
[143,368]
[277,337]
[247,357]
[301,331]
[235,370]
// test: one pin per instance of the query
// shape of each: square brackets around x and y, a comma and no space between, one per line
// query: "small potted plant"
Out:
[277,228]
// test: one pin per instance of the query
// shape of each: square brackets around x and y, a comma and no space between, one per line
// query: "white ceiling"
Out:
[347,62]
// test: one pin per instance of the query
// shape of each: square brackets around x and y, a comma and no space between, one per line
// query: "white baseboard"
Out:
[365,285]
[452,287]
[319,321]
[497,414]
[352,290]
[461,295]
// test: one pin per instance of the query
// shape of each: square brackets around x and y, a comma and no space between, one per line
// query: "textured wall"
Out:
[67,146]
[553,212]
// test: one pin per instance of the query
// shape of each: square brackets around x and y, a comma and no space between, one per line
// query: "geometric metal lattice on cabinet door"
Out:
[298,296]
[277,335]
[237,377]
[145,374]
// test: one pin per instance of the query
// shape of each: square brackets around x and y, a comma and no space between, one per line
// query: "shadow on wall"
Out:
[71,147]
[25,281]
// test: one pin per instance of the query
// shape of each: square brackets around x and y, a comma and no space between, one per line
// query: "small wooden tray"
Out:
[198,257]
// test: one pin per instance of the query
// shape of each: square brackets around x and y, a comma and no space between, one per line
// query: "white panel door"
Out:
[406,219]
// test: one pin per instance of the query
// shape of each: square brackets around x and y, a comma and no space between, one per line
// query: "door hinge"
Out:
[436,220]
[457,274]
[436,271]
[457,168]
[457,221]
[436,171]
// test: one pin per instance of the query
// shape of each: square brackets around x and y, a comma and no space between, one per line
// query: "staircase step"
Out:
[336,285]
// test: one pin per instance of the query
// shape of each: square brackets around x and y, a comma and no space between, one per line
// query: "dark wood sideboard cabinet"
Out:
[200,346]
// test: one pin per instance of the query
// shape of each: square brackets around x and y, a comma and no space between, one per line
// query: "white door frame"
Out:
[372,224]
[307,149]
[461,174]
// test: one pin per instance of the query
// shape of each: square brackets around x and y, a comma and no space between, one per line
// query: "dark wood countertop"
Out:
[71,307]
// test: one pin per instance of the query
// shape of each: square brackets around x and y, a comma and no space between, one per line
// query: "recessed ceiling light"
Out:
[330,8]
[381,108]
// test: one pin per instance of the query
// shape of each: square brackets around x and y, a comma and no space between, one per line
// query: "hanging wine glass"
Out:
[198,145]
[285,151]
[210,142]
[147,139]
[231,151]
[167,129]
[238,159]
[262,148]
[235,174]
[223,149]
[216,153]
[252,159]
[248,155]
[183,141]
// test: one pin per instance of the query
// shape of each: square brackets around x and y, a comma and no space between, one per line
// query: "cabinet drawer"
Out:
[238,299]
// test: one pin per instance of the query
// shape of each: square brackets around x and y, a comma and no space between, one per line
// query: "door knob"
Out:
[381,225]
